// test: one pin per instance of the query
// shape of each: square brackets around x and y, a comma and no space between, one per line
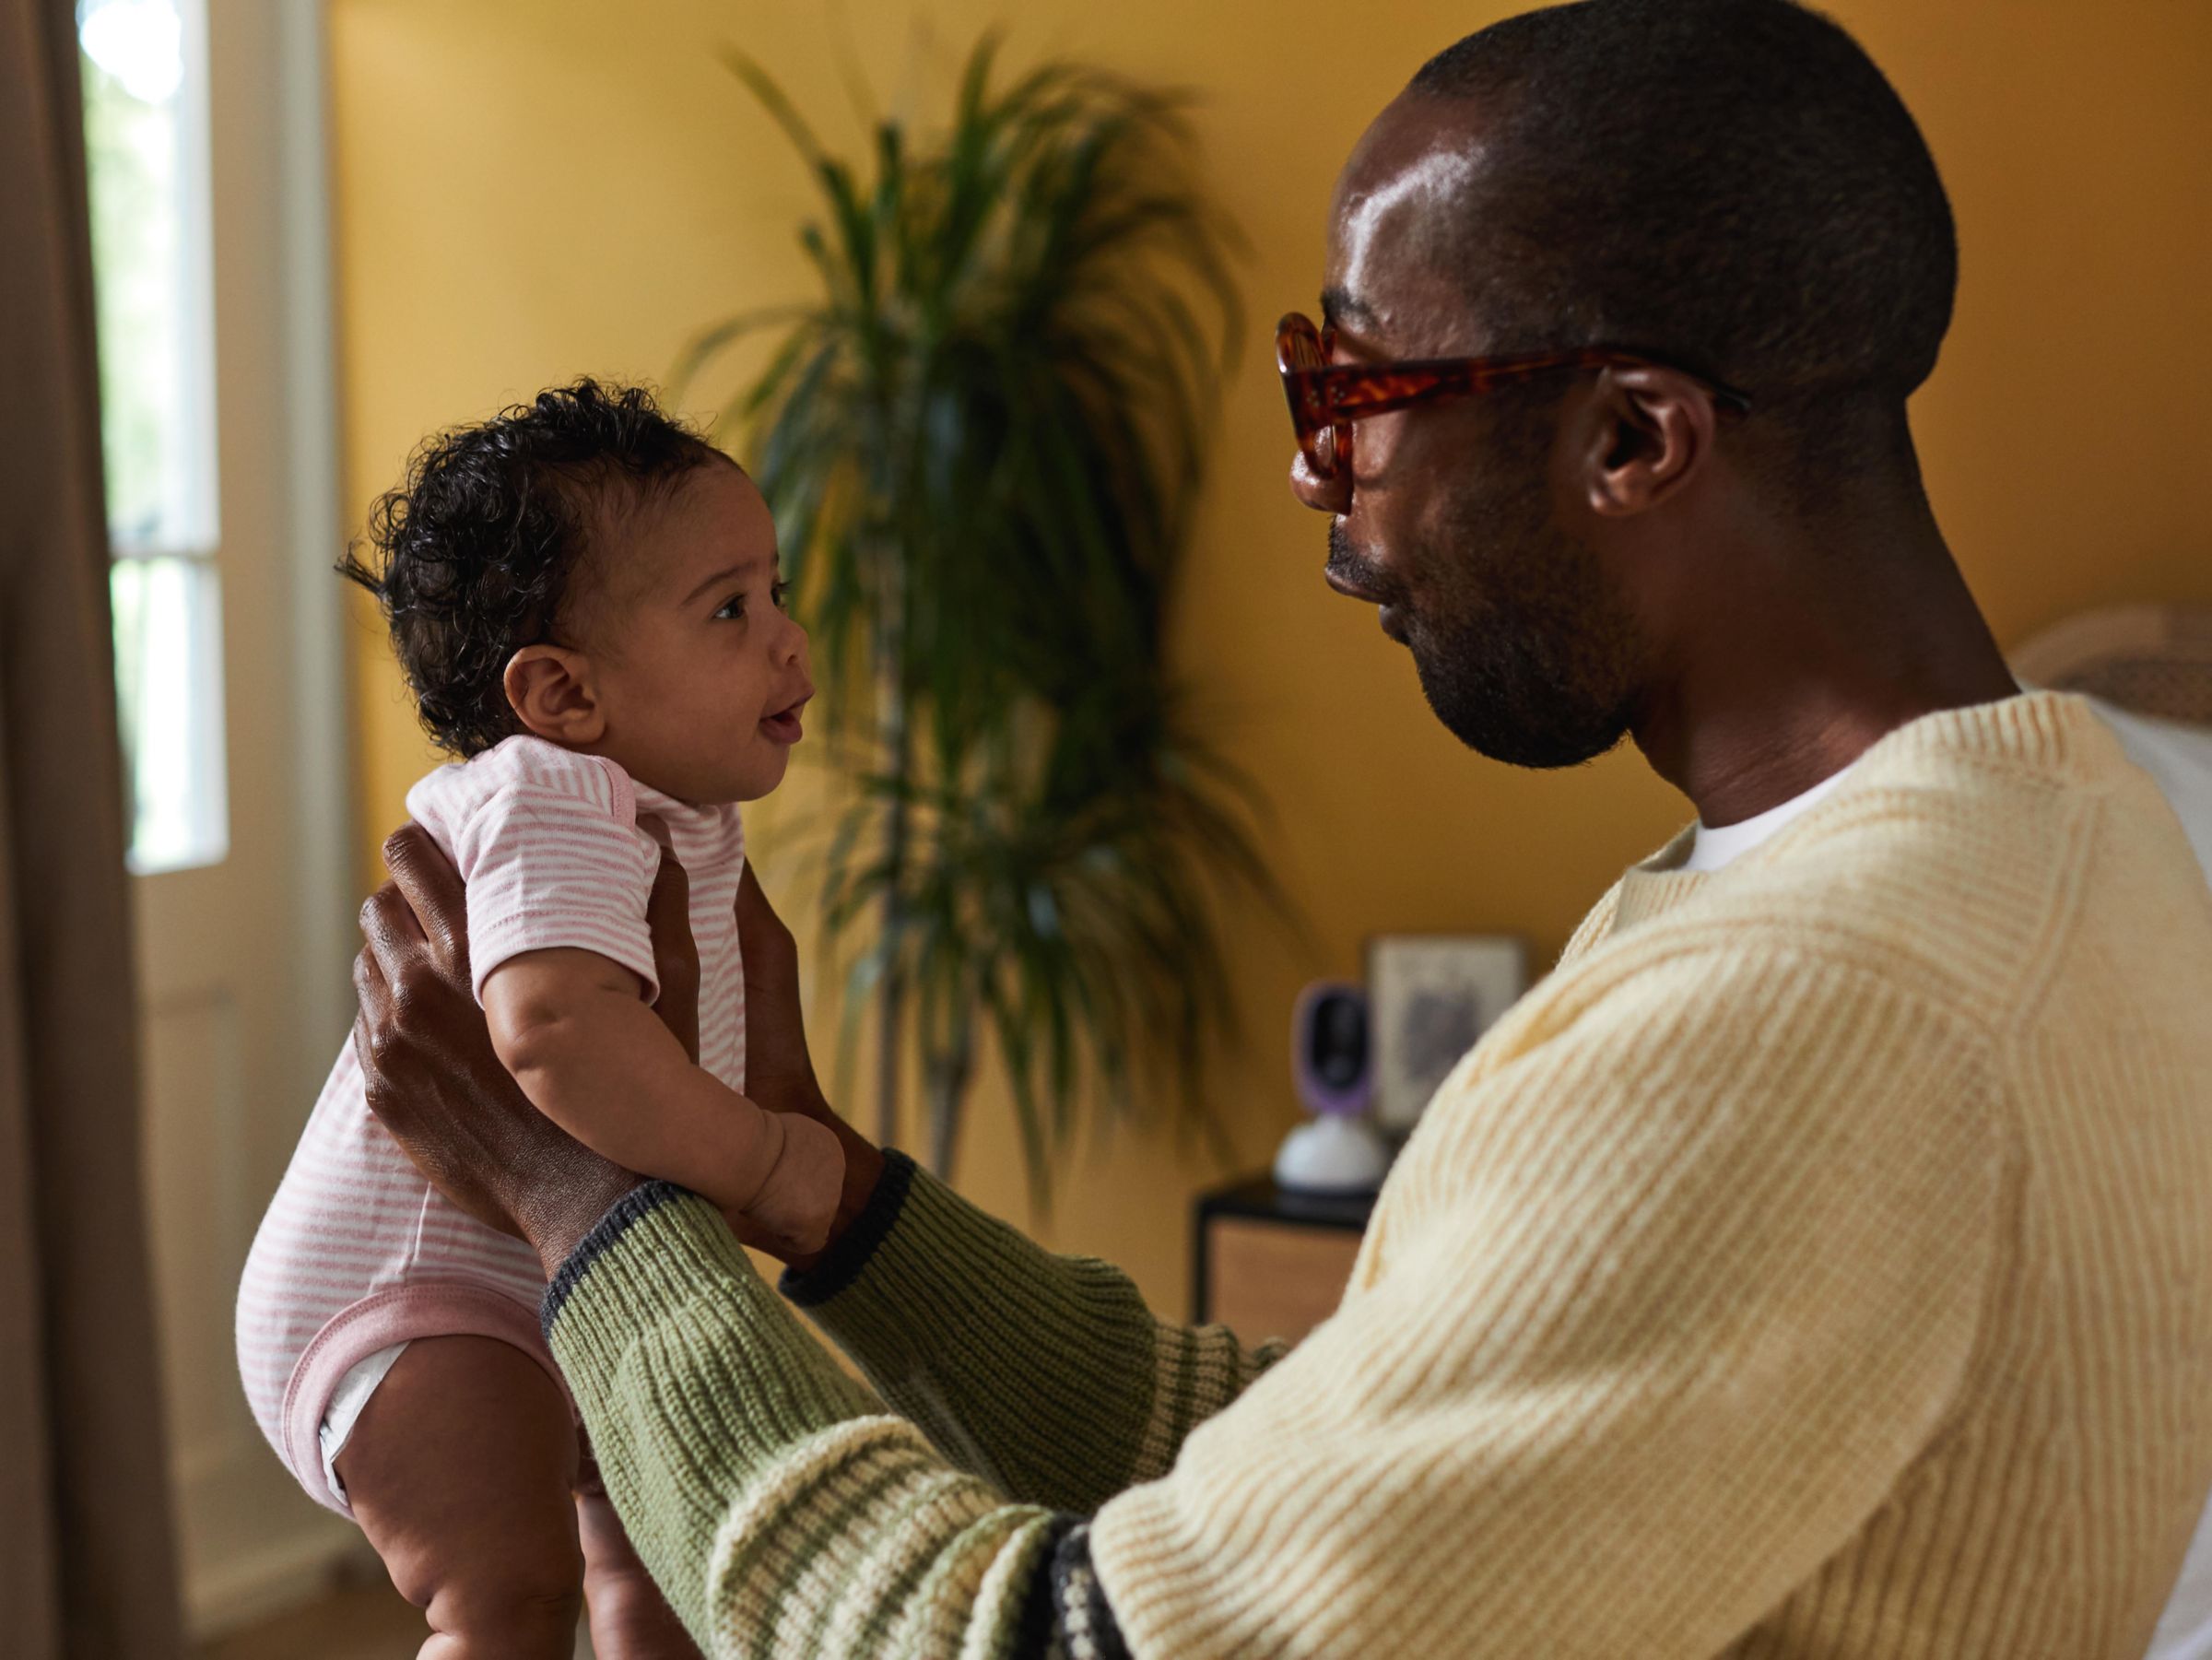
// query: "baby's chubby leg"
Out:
[460,1471]
[630,1618]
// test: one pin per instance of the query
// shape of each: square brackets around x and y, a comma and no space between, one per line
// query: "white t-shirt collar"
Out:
[1711,848]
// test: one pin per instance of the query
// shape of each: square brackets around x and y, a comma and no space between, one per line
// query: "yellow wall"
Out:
[529,189]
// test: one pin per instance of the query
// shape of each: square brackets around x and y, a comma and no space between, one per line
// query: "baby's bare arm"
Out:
[572,1028]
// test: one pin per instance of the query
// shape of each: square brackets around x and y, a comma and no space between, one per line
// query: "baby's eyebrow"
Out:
[729,573]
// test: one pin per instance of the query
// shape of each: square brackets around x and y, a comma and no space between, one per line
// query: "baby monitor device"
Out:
[1332,1063]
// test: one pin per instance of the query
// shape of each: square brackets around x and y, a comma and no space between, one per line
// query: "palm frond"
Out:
[982,441]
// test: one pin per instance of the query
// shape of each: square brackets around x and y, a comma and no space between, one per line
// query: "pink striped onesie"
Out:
[357,1254]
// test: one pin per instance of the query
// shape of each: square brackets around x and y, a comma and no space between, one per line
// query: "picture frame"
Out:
[1430,998]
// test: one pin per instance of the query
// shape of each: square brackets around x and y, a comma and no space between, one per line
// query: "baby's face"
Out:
[699,673]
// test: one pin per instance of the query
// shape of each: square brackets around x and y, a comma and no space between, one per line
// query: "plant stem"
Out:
[899,738]
[947,1087]
[889,998]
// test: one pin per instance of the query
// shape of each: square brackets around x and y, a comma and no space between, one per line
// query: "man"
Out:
[1814,1264]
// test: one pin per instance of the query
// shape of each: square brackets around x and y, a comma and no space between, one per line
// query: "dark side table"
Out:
[1267,1263]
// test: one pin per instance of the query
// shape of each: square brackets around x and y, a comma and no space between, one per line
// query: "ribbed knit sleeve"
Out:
[1045,1373]
[778,1506]
[1813,1266]
[1675,1283]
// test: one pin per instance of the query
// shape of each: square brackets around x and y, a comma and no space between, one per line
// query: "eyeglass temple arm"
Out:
[1353,389]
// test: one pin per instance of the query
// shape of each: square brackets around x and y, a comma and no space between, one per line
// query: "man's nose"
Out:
[1330,495]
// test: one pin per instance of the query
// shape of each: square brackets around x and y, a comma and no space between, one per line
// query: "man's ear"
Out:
[551,691]
[1648,432]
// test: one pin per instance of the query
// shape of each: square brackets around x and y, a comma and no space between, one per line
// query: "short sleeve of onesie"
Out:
[548,845]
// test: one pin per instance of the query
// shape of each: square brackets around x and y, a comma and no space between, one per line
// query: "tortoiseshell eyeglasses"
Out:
[1326,398]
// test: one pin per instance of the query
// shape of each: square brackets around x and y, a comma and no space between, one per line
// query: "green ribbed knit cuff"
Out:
[1037,1367]
[856,1248]
[660,1272]
[917,1238]
[604,1232]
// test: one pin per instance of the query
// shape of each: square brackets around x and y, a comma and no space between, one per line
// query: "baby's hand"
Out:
[798,1201]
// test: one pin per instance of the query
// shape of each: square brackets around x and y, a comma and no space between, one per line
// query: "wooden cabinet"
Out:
[1271,1263]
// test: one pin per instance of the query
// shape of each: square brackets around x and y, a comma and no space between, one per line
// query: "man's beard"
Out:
[1523,651]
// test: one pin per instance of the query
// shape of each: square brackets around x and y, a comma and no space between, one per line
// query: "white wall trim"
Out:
[322,737]
[253,1546]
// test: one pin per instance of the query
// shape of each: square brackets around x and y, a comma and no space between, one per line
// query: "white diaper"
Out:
[345,1403]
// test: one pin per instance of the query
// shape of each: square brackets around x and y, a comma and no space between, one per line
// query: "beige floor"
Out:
[357,1622]
[368,1622]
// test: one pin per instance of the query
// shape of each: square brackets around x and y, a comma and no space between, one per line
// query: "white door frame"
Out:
[327,936]
[244,966]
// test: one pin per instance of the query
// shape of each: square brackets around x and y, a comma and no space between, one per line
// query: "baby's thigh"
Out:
[460,1471]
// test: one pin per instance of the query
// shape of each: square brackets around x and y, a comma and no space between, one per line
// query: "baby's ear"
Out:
[550,689]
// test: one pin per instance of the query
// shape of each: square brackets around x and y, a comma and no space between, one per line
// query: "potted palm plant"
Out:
[982,439]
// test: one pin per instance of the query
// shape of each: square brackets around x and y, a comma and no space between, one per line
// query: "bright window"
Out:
[146,137]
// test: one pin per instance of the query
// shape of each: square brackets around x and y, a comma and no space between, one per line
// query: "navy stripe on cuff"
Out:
[841,1263]
[639,1201]
[1082,1618]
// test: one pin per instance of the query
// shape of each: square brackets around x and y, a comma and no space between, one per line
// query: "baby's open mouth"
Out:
[783,726]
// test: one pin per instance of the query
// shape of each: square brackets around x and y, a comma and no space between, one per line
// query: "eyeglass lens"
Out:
[1301,350]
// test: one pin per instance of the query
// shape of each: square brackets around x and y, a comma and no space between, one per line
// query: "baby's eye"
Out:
[781,593]
[733,609]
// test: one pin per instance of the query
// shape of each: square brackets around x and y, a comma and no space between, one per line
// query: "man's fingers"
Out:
[675,958]
[391,927]
[373,998]
[760,929]
[364,1045]
[367,979]
[752,904]
[367,990]
[671,901]
[772,957]
[373,1003]
[433,889]
[668,916]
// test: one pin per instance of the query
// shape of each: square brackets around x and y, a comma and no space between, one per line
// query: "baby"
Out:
[585,598]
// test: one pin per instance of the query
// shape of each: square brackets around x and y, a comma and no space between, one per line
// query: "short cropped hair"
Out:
[474,556]
[1731,180]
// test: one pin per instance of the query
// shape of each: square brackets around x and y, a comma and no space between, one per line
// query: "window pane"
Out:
[146,134]
[144,64]
[168,683]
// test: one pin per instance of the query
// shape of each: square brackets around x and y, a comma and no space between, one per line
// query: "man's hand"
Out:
[674,962]
[778,1069]
[776,1048]
[434,1082]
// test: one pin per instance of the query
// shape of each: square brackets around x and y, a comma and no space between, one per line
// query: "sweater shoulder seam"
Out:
[1665,939]
[2032,988]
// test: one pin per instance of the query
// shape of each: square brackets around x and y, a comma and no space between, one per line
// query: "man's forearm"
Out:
[1045,1372]
[562,1213]
[776,1502]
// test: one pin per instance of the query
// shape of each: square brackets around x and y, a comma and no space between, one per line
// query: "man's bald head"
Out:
[1732,183]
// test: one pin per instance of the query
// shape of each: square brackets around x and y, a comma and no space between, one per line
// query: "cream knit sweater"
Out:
[1819,1264]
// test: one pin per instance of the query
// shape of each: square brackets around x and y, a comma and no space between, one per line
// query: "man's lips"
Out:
[1390,615]
[1349,589]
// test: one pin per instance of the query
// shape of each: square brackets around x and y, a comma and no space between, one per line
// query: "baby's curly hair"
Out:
[472,556]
